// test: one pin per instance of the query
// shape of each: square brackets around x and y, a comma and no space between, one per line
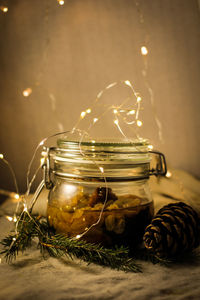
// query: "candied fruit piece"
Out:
[113,206]
[115,224]
[128,201]
[99,195]
[78,214]
[98,206]
[110,222]
[119,226]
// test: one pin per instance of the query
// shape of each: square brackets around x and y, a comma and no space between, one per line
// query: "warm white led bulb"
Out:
[95,120]
[169,174]
[116,122]
[101,169]
[139,99]
[61,2]
[27,92]
[144,50]
[88,111]
[131,112]
[115,111]
[42,161]
[150,147]
[25,207]
[41,143]
[127,82]
[4,9]
[139,123]
[83,113]
[1,156]
[9,218]
[16,196]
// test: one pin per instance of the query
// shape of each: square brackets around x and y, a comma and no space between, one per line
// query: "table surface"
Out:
[32,277]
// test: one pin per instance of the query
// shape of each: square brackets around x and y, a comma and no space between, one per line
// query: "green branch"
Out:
[30,227]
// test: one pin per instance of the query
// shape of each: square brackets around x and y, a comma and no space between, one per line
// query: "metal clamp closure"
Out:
[161,166]
[159,170]
[46,171]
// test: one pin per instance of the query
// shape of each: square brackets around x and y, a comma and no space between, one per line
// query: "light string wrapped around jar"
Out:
[116,111]
[82,134]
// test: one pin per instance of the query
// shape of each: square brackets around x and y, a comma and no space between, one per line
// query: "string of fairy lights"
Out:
[145,52]
[117,112]
[4,8]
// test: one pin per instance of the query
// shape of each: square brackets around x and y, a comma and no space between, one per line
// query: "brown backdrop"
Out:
[66,54]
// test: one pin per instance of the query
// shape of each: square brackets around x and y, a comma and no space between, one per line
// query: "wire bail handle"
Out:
[161,166]
[46,171]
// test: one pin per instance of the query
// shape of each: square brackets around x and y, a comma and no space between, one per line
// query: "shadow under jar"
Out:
[99,191]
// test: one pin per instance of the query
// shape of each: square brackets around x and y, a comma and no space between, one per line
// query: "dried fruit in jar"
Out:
[128,201]
[115,224]
[99,196]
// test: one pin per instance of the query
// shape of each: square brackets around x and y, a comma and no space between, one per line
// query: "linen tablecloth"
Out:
[32,277]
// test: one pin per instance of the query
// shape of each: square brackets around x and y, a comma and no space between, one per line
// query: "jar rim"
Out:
[140,142]
[106,153]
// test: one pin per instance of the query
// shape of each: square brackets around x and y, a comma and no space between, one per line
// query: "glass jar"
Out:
[99,191]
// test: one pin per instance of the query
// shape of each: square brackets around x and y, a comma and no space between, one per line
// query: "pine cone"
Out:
[175,229]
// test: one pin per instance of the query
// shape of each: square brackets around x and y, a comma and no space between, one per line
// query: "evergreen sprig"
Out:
[30,227]
[116,258]
[21,239]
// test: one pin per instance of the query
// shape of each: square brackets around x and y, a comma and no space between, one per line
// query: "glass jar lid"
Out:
[91,160]
[102,161]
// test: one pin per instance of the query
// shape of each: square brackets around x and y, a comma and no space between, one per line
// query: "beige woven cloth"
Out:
[180,186]
[32,277]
